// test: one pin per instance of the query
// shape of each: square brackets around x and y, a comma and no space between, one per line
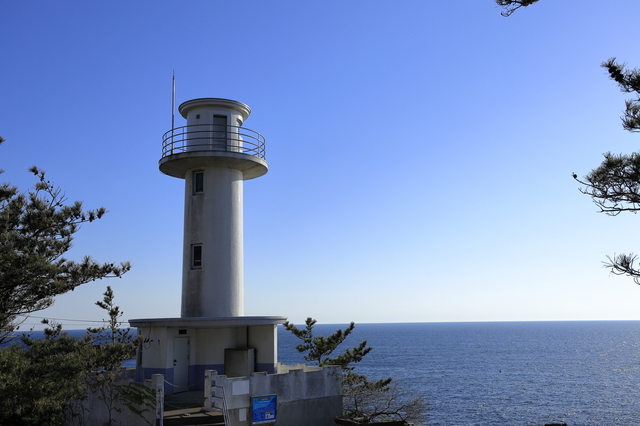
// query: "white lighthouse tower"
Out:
[214,154]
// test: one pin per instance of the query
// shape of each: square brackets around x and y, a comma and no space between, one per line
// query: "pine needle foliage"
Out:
[511,6]
[614,186]
[318,348]
[37,228]
[364,401]
[44,381]
[41,376]
[116,344]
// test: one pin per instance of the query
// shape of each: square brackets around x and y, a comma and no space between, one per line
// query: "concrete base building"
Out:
[183,349]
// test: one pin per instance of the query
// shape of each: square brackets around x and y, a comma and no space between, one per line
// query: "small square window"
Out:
[196,256]
[198,182]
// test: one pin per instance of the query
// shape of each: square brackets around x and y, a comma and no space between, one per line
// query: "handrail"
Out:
[211,137]
[224,408]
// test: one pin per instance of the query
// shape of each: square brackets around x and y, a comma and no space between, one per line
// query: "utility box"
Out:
[239,362]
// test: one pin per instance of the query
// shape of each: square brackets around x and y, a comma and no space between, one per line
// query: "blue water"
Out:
[506,373]
[503,373]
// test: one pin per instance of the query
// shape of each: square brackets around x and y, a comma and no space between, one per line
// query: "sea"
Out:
[582,373]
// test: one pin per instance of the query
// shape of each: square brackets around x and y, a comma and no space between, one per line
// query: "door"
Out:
[219,140]
[181,363]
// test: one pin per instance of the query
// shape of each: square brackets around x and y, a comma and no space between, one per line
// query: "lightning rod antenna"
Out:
[173,100]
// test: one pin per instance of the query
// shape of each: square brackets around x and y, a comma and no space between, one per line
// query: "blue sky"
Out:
[420,152]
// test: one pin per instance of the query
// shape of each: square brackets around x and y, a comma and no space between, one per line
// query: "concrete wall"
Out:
[93,411]
[199,114]
[310,396]
[264,338]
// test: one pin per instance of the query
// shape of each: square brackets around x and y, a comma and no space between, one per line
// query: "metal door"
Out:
[219,133]
[181,363]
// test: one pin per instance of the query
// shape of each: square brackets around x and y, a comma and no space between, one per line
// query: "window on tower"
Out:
[196,256]
[198,182]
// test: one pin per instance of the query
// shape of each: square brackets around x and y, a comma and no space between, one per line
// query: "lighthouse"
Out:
[214,154]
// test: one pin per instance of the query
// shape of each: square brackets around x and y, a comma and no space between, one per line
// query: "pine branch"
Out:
[629,82]
[37,228]
[511,6]
[624,264]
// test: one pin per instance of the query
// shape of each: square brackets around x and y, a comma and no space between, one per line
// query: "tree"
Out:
[116,344]
[36,230]
[371,402]
[38,380]
[614,186]
[45,381]
[319,348]
[363,400]
[511,6]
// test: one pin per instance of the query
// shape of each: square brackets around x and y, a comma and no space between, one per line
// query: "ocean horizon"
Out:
[522,373]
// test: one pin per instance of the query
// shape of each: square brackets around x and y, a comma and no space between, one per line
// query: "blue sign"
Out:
[263,409]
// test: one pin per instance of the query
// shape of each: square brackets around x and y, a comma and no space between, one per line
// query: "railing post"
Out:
[208,406]
[157,382]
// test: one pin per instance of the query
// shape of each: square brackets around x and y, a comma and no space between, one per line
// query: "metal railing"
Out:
[220,402]
[211,137]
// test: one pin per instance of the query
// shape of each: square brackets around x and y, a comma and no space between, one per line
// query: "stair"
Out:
[192,416]
[176,401]
[187,408]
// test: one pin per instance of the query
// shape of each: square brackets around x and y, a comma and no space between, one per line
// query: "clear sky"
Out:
[420,152]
